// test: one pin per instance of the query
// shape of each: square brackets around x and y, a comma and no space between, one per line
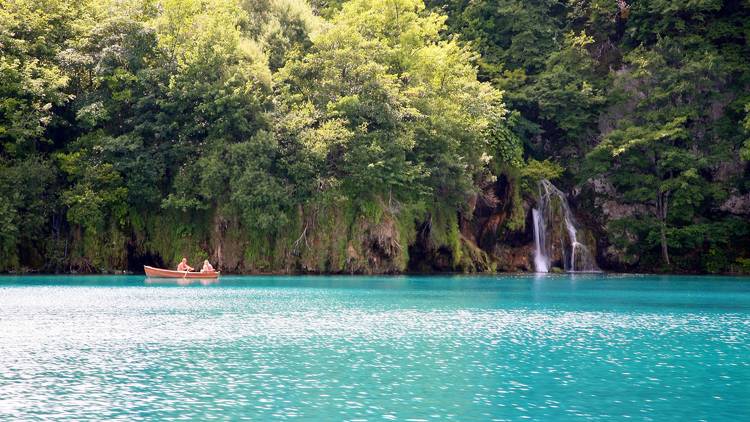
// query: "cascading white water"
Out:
[576,257]
[541,260]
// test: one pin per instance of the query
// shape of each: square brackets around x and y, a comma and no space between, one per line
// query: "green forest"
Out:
[371,136]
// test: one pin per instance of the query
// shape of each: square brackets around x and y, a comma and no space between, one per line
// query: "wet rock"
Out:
[519,258]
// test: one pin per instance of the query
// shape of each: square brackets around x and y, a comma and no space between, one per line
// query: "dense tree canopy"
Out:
[644,98]
[143,130]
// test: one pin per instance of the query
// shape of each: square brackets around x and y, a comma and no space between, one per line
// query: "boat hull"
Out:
[162,273]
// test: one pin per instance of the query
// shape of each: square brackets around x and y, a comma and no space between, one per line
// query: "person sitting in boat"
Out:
[183,266]
[207,267]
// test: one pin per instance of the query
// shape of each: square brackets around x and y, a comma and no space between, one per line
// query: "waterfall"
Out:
[575,256]
[541,259]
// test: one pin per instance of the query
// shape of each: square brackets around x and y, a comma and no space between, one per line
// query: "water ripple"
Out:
[145,353]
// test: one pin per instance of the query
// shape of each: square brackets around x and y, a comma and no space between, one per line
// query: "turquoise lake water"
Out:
[583,347]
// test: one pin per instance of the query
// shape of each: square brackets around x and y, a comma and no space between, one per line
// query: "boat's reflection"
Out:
[181,281]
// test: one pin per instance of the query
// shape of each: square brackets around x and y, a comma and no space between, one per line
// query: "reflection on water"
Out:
[375,348]
[182,281]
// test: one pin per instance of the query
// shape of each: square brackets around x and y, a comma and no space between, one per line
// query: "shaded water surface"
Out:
[376,348]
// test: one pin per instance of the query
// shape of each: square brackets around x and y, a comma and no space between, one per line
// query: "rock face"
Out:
[338,238]
[599,205]
[606,200]
[500,225]
[514,258]
[380,250]
[395,239]
[737,204]
[493,233]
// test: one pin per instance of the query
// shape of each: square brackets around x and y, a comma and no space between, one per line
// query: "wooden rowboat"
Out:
[162,273]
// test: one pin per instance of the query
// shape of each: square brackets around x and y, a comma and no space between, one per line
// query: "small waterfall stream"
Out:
[553,206]
[541,258]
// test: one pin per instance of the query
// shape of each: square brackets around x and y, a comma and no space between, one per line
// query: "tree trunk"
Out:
[661,212]
[664,250]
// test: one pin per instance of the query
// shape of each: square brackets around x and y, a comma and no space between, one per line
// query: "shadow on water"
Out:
[563,292]
[181,281]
